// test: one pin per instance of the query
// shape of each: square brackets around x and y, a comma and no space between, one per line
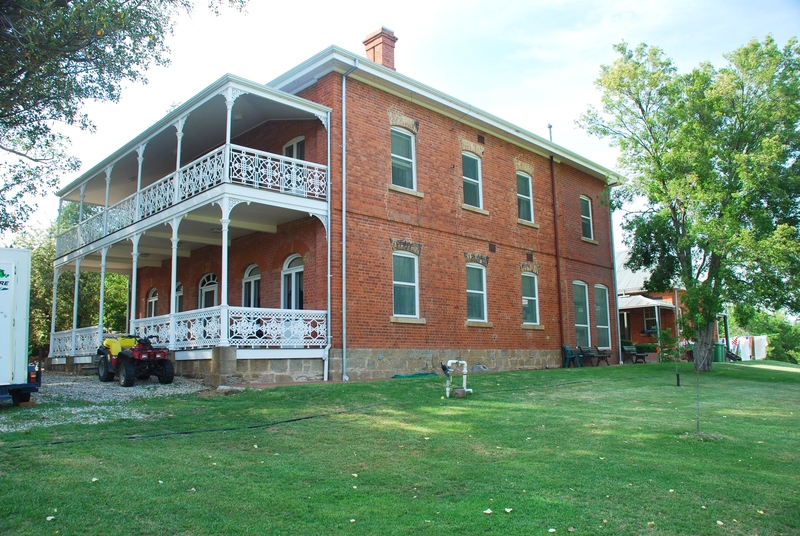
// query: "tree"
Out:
[54,56]
[712,156]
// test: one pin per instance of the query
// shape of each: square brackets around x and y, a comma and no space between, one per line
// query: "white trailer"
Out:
[17,379]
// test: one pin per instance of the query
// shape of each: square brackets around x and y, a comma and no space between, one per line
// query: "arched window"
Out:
[601,316]
[178,298]
[251,287]
[580,295]
[209,288]
[296,148]
[292,283]
[152,303]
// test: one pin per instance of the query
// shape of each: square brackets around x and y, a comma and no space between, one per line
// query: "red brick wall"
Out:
[446,230]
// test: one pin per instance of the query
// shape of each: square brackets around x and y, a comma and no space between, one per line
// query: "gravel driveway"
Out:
[62,400]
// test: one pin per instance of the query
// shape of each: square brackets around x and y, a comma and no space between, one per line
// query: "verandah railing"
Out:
[203,328]
[247,167]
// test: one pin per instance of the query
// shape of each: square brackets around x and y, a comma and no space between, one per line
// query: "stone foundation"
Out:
[362,364]
[374,364]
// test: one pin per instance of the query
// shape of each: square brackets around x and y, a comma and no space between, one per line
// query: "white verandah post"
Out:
[56,274]
[103,255]
[176,222]
[134,279]
[75,305]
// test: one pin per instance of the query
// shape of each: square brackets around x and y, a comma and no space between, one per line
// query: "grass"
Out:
[605,450]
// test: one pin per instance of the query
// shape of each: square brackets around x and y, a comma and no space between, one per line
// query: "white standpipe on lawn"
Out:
[463,375]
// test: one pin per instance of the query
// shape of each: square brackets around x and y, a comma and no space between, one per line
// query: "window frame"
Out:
[478,181]
[528,198]
[293,143]
[654,319]
[251,286]
[208,283]
[178,297]
[535,298]
[587,218]
[413,160]
[483,292]
[602,328]
[587,325]
[297,298]
[415,285]
[151,307]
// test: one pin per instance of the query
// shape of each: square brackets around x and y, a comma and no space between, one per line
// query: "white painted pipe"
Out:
[463,376]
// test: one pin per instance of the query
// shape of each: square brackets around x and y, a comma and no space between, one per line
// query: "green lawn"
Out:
[604,450]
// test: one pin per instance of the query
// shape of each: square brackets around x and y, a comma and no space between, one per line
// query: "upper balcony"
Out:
[234,137]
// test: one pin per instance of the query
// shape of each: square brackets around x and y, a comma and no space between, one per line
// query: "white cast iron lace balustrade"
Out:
[248,167]
[202,174]
[268,171]
[86,341]
[61,344]
[286,328]
[68,241]
[157,197]
[91,229]
[201,328]
[122,214]
[155,328]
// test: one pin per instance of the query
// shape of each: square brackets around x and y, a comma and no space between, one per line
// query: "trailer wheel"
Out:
[167,372]
[127,374]
[18,397]
[103,373]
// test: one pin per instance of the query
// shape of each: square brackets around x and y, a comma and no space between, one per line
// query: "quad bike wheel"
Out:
[167,372]
[127,374]
[103,373]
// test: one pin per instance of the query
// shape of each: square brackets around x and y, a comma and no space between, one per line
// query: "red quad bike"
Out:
[130,357]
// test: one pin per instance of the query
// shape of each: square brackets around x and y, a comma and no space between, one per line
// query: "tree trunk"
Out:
[704,348]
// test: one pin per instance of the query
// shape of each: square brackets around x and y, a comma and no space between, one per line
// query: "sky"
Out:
[532,63]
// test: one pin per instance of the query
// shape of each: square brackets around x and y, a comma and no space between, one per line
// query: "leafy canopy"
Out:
[712,157]
[54,56]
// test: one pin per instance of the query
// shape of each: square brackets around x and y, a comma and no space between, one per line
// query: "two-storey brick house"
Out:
[344,221]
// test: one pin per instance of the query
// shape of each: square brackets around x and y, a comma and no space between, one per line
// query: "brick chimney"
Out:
[380,47]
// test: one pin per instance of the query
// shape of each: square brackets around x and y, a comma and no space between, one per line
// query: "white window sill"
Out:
[478,324]
[407,320]
[527,223]
[475,209]
[590,241]
[534,327]
[403,190]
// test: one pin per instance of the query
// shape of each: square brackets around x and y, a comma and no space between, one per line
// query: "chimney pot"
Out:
[380,47]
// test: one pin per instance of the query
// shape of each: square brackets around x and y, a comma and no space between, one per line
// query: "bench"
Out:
[593,352]
[633,354]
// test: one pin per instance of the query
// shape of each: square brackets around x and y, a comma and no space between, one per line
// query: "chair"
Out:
[571,355]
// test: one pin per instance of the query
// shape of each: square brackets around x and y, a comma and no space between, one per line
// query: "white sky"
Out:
[530,62]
